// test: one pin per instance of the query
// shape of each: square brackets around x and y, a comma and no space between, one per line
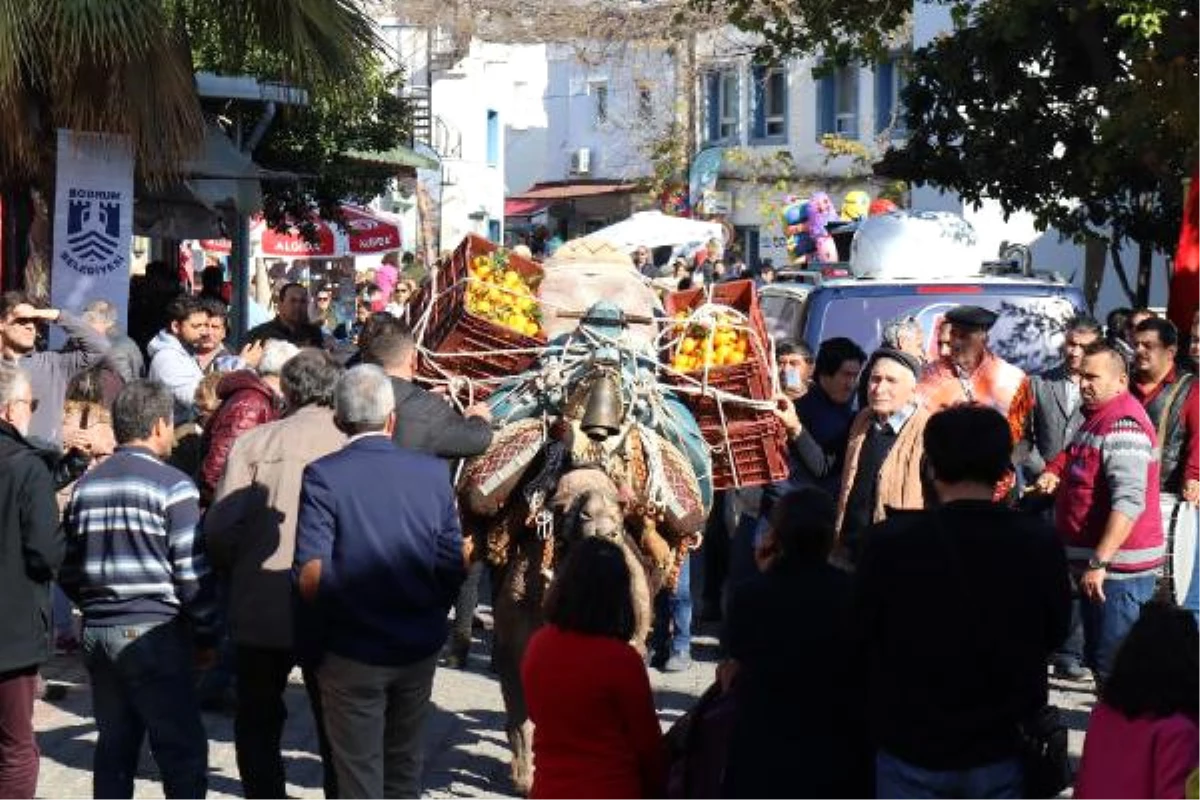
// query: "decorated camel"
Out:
[590,442]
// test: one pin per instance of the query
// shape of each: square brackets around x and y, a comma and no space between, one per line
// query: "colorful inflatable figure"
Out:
[795,228]
[855,205]
[820,213]
[881,205]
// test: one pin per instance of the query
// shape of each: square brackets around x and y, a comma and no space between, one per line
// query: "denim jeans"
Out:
[1106,624]
[895,778]
[142,685]
[672,633]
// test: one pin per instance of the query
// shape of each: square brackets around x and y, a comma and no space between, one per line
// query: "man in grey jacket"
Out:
[48,371]
[1056,415]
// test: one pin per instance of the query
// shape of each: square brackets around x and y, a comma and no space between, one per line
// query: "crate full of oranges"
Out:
[483,321]
[724,343]
[499,293]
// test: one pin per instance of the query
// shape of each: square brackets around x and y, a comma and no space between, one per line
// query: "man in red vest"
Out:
[1107,506]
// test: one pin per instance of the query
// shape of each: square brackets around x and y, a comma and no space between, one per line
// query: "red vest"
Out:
[1084,499]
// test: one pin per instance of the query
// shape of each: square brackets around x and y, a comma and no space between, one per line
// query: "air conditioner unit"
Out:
[581,161]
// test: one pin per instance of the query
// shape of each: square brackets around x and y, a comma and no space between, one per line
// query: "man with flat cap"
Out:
[974,374]
[884,453]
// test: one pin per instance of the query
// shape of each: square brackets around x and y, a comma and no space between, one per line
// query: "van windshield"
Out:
[1029,332]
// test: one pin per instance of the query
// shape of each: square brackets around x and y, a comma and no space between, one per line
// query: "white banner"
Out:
[93,221]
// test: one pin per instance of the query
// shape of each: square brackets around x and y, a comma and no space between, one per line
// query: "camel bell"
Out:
[602,417]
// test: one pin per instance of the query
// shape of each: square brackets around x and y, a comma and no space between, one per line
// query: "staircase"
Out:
[422,115]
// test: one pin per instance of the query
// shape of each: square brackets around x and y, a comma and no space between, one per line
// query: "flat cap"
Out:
[899,356]
[971,317]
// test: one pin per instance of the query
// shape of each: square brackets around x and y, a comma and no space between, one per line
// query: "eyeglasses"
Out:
[323,298]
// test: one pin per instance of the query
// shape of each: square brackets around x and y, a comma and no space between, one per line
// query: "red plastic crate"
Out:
[752,379]
[759,449]
[452,329]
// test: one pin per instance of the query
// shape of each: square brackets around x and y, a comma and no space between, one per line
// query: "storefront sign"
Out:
[93,221]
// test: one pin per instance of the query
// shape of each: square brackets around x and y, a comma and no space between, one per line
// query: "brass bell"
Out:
[602,417]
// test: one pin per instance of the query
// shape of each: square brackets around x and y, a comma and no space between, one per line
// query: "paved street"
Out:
[467,754]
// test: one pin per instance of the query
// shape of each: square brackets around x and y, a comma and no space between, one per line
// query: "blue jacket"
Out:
[383,523]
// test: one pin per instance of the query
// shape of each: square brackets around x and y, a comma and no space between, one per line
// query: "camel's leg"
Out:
[516,620]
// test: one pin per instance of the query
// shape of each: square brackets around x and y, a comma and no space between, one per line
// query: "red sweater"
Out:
[596,733]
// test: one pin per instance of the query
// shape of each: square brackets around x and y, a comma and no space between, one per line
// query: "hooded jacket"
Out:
[173,366]
[246,402]
[31,551]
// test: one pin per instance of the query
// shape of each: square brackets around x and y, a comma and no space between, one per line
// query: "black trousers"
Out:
[262,674]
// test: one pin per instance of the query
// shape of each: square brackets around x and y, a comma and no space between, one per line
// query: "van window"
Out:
[1029,332]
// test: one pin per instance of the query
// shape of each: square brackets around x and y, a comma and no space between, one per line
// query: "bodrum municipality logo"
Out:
[93,245]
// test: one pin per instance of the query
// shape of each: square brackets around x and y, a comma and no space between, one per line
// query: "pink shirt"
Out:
[1142,757]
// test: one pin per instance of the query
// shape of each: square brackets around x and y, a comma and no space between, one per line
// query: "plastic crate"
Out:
[452,329]
[751,379]
[759,448]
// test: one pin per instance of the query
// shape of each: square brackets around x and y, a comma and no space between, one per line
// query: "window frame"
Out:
[598,91]
[761,76]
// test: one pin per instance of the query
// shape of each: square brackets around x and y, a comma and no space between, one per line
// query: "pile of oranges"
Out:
[500,294]
[725,344]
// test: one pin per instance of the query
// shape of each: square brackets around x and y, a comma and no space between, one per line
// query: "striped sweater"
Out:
[133,553]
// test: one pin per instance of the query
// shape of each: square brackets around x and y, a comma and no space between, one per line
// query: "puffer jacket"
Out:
[246,402]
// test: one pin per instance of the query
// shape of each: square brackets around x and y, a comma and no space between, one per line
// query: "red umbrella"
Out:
[369,233]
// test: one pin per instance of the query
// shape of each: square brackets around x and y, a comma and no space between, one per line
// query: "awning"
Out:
[517,207]
[564,190]
[366,232]
[398,156]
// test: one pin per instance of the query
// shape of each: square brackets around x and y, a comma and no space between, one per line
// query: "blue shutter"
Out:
[826,105]
[712,111]
[758,102]
[493,138]
[884,100]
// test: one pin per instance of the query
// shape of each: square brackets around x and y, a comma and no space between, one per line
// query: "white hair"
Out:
[276,353]
[101,311]
[896,329]
[12,379]
[364,398]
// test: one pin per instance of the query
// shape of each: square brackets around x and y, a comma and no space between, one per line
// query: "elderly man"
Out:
[291,320]
[974,374]
[31,549]
[48,372]
[1107,506]
[884,454]
[251,535]
[1169,397]
[381,568]
[124,356]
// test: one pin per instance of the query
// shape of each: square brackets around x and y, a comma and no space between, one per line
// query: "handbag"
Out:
[1043,736]
[1044,753]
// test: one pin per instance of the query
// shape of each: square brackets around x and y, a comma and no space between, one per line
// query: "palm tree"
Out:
[126,67]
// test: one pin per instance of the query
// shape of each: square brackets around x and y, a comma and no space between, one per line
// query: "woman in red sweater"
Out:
[1143,740]
[596,733]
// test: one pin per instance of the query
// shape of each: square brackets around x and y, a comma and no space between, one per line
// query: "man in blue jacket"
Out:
[379,558]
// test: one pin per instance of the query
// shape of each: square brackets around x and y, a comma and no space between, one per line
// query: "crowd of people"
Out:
[952,531]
